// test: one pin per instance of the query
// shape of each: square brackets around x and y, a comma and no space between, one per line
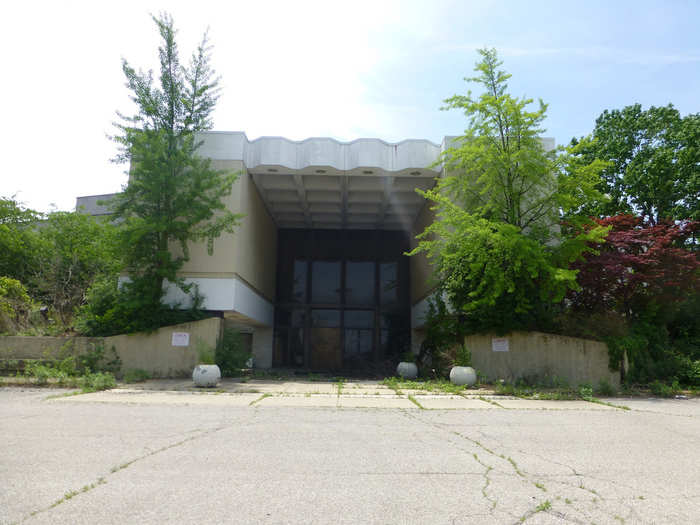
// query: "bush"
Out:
[605,389]
[136,375]
[15,305]
[112,310]
[99,381]
[463,356]
[231,353]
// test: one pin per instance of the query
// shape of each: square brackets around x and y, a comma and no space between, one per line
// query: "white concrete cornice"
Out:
[321,152]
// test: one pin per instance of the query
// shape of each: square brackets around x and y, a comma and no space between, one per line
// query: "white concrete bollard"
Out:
[206,375]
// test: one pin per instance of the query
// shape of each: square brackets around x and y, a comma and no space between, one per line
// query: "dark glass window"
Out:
[296,337]
[325,282]
[325,318]
[299,282]
[389,283]
[359,283]
[359,333]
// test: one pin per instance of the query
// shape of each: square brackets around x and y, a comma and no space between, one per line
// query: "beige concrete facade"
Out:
[421,271]
[540,356]
[249,253]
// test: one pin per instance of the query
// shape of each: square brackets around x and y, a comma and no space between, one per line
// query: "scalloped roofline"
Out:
[308,139]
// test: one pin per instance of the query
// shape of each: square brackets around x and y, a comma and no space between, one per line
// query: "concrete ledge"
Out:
[538,356]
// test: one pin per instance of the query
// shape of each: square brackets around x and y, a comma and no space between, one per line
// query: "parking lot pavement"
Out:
[160,457]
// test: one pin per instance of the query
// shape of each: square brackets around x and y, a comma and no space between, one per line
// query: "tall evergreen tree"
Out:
[174,196]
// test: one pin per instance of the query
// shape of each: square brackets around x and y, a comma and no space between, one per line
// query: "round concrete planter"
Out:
[407,370]
[206,375]
[462,375]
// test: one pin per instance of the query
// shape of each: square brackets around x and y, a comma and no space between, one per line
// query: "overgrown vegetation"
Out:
[91,370]
[532,239]
[174,196]
[231,353]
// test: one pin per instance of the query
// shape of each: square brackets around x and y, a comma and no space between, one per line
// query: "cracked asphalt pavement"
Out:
[176,459]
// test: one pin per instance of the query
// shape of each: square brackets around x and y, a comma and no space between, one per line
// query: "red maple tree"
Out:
[638,264]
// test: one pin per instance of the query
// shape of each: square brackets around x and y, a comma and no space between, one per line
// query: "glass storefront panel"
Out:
[299,282]
[359,283]
[325,282]
[389,283]
[342,299]
[359,334]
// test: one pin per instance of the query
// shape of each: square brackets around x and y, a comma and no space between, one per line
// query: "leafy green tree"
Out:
[174,196]
[654,162]
[496,245]
[75,250]
[18,240]
[500,170]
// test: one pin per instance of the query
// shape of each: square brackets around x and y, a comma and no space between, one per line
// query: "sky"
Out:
[308,69]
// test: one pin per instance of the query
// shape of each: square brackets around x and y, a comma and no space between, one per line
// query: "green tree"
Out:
[75,250]
[18,240]
[173,196]
[654,162]
[496,246]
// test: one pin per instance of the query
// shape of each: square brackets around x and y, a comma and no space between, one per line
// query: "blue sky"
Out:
[326,68]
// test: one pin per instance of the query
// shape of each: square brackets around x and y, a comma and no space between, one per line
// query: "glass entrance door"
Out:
[342,299]
[325,340]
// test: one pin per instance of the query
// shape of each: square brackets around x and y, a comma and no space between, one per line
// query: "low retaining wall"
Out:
[538,356]
[167,352]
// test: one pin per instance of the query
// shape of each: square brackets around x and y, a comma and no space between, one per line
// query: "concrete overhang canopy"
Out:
[324,183]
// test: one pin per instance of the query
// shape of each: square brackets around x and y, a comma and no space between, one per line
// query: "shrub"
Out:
[605,389]
[585,390]
[99,381]
[136,375]
[231,353]
[15,305]
[463,356]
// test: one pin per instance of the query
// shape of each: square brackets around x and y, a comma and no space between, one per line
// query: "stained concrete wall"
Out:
[249,253]
[538,356]
[421,270]
[255,257]
[31,347]
[153,351]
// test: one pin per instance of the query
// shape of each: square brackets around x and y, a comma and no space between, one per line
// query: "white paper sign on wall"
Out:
[181,339]
[499,344]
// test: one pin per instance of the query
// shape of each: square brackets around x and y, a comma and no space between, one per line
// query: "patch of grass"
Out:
[567,501]
[515,467]
[254,401]
[540,486]
[341,383]
[544,506]
[660,389]
[415,402]
[136,375]
[490,401]
[427,385]
[95,382]
[605,389]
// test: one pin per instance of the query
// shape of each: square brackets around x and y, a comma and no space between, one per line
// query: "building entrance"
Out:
[342,299]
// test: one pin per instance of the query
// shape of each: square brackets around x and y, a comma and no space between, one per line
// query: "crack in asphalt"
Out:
[102,479]
[579,513]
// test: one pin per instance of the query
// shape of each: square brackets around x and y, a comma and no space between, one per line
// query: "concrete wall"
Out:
[255,258]
[31,347]
[153,352]
[538,356]
[250,253]
[421,271]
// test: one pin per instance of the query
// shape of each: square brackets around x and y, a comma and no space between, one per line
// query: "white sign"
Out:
[181,339]
[499,344]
